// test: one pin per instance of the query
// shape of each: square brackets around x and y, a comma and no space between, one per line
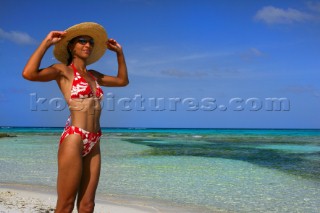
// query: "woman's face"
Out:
[82,46]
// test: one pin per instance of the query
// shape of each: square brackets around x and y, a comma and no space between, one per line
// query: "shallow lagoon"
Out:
[229,170]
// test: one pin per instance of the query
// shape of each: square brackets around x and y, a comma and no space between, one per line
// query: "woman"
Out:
[79,157]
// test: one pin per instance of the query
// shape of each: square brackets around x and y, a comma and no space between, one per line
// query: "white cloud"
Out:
[217,73]
[181,73]
[273,15]
[3,98]
[17,37]
[251,54]
[314,6]
[255,52]
[296,89]
[182,58]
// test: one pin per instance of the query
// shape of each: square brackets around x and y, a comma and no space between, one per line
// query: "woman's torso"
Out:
[83,96]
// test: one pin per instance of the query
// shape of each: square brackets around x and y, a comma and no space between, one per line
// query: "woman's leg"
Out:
[89,182]
[69,172]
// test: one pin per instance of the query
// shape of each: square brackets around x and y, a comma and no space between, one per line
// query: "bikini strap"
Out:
[74,70]
[94,78]
[68,123]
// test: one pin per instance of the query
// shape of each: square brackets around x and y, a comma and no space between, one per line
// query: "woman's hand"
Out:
[121,79]
[55,36]
[113,45]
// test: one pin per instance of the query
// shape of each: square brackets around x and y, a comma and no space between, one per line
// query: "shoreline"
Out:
[6,135]
[16,198]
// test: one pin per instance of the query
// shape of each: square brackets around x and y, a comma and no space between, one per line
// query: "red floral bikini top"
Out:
[81,88]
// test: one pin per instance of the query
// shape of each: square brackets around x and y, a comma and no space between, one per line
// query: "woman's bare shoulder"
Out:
[62,68]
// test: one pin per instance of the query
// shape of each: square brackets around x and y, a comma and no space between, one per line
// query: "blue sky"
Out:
[197,64]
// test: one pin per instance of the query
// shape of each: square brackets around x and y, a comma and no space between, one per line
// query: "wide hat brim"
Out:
[94,30]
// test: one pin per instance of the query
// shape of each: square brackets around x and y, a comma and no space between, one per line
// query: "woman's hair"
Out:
[70,57]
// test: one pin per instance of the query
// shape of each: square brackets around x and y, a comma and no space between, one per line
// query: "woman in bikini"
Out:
[79,159]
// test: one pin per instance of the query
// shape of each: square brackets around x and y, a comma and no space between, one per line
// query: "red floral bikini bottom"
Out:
[89,139]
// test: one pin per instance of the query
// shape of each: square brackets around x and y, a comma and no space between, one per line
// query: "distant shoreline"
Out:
[5,135]
[162,128]
[6,129]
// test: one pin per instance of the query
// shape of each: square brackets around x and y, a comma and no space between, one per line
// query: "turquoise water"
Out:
[231,170]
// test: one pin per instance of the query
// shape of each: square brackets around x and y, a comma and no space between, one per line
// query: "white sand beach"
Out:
[15,200]
[29,199]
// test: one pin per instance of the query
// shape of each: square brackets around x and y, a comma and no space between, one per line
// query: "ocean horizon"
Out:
[235,128]
[233,170]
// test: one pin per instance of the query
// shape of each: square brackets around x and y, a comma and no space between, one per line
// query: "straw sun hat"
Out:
[94,30]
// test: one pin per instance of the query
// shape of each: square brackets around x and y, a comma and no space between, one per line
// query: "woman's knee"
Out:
[86,206]
[65,206]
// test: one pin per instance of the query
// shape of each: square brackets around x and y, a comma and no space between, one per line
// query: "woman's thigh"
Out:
[90,175]
[69,167]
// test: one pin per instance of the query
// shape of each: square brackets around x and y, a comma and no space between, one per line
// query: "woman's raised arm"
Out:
[122,77]
[31,70]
